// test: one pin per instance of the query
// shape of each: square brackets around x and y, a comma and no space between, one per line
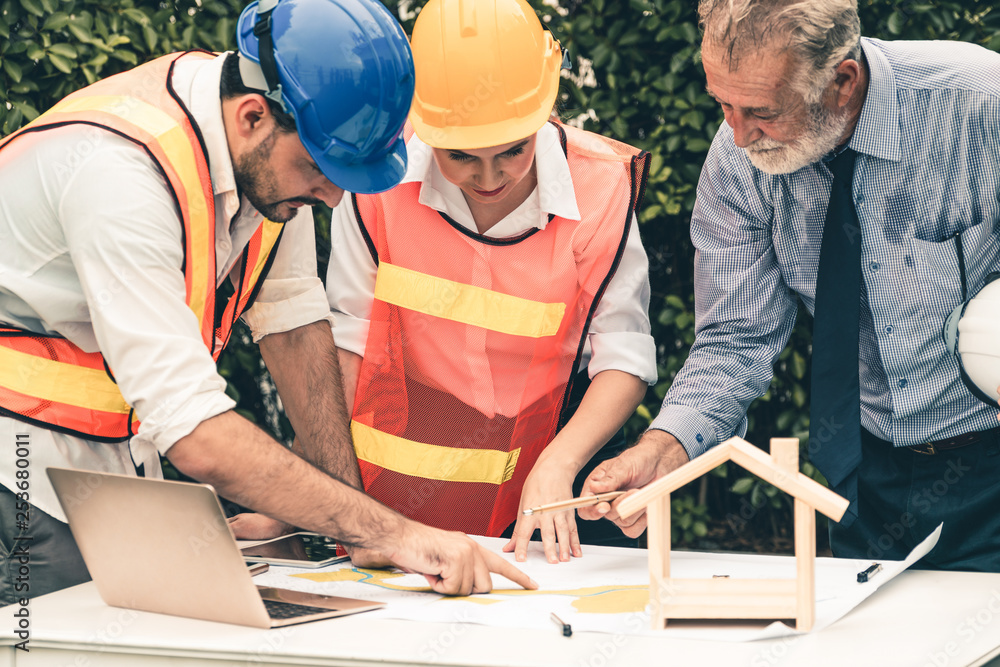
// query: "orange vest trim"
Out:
[473,341]
[47,380]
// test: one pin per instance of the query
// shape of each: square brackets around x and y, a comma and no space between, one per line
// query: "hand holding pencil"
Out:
[656,454]
[573,503]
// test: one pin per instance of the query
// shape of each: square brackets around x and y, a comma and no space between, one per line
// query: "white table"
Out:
[932,619]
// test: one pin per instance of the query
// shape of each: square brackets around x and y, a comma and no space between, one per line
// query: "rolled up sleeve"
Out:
[626,351]
[619,336]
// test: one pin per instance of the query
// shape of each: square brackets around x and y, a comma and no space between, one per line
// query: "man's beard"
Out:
[252,173]
[824,128]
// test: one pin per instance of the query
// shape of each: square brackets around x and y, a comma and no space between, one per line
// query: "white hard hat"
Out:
[972,333]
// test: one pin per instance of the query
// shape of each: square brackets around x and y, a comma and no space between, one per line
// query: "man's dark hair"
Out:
[232,86]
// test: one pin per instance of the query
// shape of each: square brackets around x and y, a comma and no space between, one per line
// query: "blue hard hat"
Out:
[343,69]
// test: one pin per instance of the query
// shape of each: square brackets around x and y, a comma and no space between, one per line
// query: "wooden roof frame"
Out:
[737,598]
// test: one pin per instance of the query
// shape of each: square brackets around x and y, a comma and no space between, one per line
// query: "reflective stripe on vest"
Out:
[473,340]
[53,383]
[432,461]
[468,304]
[38,373]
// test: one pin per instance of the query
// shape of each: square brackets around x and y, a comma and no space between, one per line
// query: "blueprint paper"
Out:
[607,590]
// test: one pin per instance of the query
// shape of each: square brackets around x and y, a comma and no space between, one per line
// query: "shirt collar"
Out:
[553,196]
[196,82]
[877,132]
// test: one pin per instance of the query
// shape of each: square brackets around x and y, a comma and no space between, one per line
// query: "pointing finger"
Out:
[497,564]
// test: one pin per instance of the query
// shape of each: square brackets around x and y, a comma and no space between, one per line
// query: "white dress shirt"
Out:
[91,249]
[619,335]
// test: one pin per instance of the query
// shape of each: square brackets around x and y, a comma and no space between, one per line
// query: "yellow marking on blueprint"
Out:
[614,601]
[363,576]
[590,600]
[475,599]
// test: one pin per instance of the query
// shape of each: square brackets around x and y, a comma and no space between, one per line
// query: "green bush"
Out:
[648,89]
[637,77]
[50,48]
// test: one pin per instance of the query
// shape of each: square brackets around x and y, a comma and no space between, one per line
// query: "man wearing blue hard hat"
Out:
[140,218]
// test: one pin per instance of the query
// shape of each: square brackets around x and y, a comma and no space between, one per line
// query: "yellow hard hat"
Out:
[486,73]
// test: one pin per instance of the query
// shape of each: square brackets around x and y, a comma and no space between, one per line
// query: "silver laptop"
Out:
[164,546]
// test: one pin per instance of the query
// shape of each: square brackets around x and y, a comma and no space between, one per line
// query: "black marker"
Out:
[868,573]
[567,630]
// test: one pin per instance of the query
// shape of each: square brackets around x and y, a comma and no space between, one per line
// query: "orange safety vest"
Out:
[48,381]
[474,341]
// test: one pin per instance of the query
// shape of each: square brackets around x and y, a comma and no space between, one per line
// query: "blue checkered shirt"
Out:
[927,178]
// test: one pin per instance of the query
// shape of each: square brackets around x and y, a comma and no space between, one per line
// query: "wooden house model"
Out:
[733,598]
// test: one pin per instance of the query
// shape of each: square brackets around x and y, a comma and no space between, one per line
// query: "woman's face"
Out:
[489,175]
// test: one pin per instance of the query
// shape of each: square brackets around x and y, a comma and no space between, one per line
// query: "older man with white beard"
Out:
[862,178]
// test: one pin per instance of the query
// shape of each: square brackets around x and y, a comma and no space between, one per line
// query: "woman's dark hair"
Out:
[232,86]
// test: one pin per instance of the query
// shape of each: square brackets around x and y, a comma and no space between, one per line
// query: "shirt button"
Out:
[888,329]
[902,384]
[874,266]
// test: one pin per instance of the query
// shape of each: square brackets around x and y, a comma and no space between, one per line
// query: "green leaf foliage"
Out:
[50,48]
[62,45]
[637,77]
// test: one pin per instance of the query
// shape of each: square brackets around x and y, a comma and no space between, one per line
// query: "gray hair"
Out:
[820,34]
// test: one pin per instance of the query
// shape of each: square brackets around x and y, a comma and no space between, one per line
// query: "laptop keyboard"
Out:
[284,610]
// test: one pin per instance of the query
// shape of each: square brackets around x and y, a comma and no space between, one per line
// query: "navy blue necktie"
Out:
[835,414]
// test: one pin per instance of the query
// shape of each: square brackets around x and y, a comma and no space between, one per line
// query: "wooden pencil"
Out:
[582,501]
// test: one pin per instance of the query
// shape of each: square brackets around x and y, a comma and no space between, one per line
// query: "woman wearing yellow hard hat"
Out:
[470,298]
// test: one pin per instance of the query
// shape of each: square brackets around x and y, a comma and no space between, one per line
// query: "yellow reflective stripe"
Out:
[55,381]
[417,459]
[174,142]
[468,304]
[269,235]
